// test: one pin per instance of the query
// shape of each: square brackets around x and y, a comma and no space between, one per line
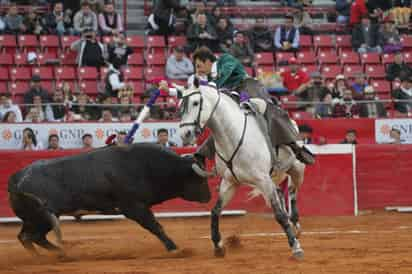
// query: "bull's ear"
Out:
[201,172]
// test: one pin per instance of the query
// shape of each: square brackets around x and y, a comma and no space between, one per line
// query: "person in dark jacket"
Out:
[343,10]
[366,37]
[118,52]
[261,36]
[377,7]
[372,109]
[54,21]
[36,90]
[287,36]
[162,19]
[398,69]
[404,93]
[224,32]
[202,33]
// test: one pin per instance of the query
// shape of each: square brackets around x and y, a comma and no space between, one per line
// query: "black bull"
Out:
[128,180]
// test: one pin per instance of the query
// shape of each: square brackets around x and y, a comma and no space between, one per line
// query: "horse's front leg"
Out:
[226,192]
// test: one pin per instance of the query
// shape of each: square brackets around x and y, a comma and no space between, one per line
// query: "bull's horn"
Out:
[201,172]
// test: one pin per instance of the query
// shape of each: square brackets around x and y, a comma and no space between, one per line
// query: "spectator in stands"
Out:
[7,106]
[224,32]
[110,22]
[196,8]
[14,21]
[261,36]
[125,116]
[162,19]
[163,138]
[241,49]
[58,108]
[395,135]
[378,8]
[45,111]
[178,66]
[202,33]
[325,108]
[54,142]
[358,86]
[306,136]
[107,116]
[29,140]
[350,137]
[397,69]
[345,107]
[85,19]
[390,35]
[372,109]
[36,90]
[55,22]
[401,12]
[366,37]
[33,115]
[33,23]
[87,141]
[357,11]
[82,107]
[9,117]
[2,25]
[314,90]
[404,93]
[302,21]
[340,86]
[294,79]
[343,10]
[90,52]
[287,36]
[119,51]
[114,81]
[289,3]
[128,107]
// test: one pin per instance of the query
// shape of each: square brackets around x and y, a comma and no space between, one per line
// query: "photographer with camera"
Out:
[91,53]
[313,92]
[119,51]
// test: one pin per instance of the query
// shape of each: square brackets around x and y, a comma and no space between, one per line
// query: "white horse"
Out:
[243,155]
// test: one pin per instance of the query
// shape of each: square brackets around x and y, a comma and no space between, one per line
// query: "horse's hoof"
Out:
[297,251]
[220,252]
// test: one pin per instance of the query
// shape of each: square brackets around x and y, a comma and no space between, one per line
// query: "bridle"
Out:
[196,123]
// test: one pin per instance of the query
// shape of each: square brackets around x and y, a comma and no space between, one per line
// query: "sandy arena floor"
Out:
[377,243]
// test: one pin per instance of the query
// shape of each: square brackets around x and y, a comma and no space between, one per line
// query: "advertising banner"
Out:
[384,126]
[70,134]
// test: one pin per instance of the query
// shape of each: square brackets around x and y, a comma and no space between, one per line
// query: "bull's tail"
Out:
[31,209]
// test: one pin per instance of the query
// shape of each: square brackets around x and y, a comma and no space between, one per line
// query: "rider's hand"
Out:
[164,86]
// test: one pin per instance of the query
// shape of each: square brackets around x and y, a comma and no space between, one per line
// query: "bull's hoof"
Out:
[297,251]
[220,252]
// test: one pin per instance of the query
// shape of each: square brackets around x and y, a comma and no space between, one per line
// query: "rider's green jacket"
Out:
[230,72]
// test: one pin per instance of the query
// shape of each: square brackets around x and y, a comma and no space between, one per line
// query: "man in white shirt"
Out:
[178,66]
[7,105]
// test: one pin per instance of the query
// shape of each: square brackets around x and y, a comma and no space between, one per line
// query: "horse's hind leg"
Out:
[297,174]
[226,192]
[283,219]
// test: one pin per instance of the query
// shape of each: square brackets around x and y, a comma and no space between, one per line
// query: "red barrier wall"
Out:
[384,175]
[335,129]
[327,190]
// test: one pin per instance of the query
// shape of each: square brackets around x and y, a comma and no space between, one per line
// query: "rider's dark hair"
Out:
[203,54]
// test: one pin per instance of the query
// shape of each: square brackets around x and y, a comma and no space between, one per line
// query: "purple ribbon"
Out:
[244,96]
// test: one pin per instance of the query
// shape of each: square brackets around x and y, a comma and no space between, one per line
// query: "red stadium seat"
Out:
[20,59]
[103,72]
[330,72]
[135,59]
[370,58]
[396,85]
[46,73]
[283,56]
[46,57]
[306,57]
[155,43]
[8,42]
[305,42]
[20,74]
[89,87]
[309,69]
[302,115]
[388,58]
[375,71]
[157,59]
[67,41]
[87,73]
[133,73]
[65,73]
[381,86]
[154,72]
[3,86]
[19,88]
[327,57]
[174,41]
[28,42]
[69,58]
[107,39]
[351,70]
[48,85]
[289,102]
[250,71]
[407,57]
[344,42]
[264,58]
[323,42]
[72,85]
[136,42]
[6,59]
[49,43]
[351,58]
[138,87]
[266,68]
[406,41]
[4,74]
